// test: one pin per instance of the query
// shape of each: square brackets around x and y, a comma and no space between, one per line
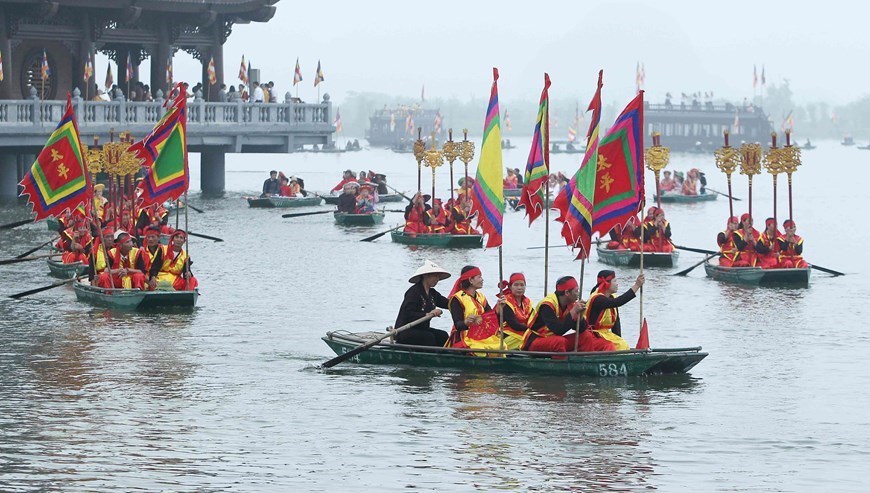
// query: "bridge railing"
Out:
[127,114]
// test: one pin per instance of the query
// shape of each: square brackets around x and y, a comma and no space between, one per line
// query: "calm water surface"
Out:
[228,397]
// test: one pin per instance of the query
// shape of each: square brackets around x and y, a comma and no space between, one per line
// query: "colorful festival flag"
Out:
[88,70]
[243,71]
[575,200]
[643,339]
[538,163]
[212,73]
[59,180]
[754,77]
[297,75]
[337,122]
[437,124]
[572,133]
[129,68]
[110,81]
[1,67]
[619,181]
[319,77]
[46,70]
[164,152]
[169,71]
[488,189]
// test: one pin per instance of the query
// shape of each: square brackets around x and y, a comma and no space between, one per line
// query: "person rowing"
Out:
[126,265]
[555,316]
[420,300]
[347,200]
[271,186]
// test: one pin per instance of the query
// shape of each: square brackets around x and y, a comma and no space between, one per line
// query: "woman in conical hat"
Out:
[420,300]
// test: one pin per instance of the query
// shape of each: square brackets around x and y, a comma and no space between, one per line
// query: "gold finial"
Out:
[657,157]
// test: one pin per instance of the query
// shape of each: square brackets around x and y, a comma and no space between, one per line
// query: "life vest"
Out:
[603,325]
[482,336]
[552,301]
[523,312]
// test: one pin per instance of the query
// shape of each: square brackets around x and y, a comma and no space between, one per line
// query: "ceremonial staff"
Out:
[419,150]
[466,154]
[727,160]
[791,159]
[750,164]
[773,164]
[657,158]
[450,150]
[434,158]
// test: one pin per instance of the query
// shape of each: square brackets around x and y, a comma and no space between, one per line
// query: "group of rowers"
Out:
[655,232]
[687,185]
[360,195]
[90,235]
[454,218]
[558,323]
[741,245]
[279,185]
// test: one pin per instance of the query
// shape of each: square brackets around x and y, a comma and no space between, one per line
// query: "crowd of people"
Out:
[652,235]
[279,185]
[121,252]
[558,323]
[686,185]
[741,245]
[454,217]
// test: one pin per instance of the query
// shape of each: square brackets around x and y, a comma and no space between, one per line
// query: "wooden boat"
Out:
[808,146]
[631,363]
[134,299]
[864,148]
[60,270]
[388,197]
[628,258]
[848,141]
[438,241]
[799,277]
[345,219]
[283,202]
[676,197]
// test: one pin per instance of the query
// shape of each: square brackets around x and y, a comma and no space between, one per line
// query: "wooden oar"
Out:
[398,192]
[722,194]
[355,351]
[28,252]
[197,209]
[22,259]
[696,250]
[828,271]
[690,269]
[375,237]
[16,224]
[394,210]
[207,237]
[300,214]
[45,288]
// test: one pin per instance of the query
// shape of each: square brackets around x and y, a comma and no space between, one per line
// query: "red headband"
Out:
[745,217]
[505,286]
[789,224]
[604,282]
[178,232]
[464,277]
[770,221]
[567,285]
[732,219]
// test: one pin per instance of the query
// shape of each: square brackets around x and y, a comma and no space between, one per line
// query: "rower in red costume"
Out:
[75,243]
[416,219]
[556,315]
[516,312]
[176,265]
[728,245]
[602,313]
[439,221]
[792,247]
[767,246]
[625,237]
[746,238]
[126,265]
[657,233]
[152,252]
[459,216]
[475,325]
[347,177]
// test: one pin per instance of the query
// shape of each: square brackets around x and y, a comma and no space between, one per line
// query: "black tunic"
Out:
[271,187]
[417,304]
[604,302]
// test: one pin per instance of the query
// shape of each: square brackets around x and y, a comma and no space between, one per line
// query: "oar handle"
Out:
[353,352]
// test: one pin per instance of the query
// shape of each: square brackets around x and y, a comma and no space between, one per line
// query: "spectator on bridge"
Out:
[222,94]
[232,95]
[273,96]
[257,96]
[243,93]
[266,94]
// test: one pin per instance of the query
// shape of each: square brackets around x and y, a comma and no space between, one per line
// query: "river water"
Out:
[228,397]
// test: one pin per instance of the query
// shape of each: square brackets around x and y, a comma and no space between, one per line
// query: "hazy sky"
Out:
[395,47]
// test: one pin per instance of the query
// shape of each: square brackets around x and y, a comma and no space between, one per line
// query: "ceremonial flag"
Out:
[643,340]
[538,163]
[129,68]
[619,183]
[735,129]
[572,134]
[212,74]
[58,180]
[169,72]
[337,122]
[488,189]
[409,124]
[423,94]
[575,200]
[164,151]
[319,77]
[110,81]
[243,71]
[1,67]
[437,123]
[639,77]
[754,76]
[763,79]
[297,75]
[46,70]
[88,71]
[507,121]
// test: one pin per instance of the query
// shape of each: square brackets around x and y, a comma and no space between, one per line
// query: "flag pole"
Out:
[642,255]
[579,297]
[186,244]
[546,233]
[501,312]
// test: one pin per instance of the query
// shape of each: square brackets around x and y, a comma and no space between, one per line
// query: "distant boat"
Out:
[697,127]
[807,146]
[848,141]
[389,127]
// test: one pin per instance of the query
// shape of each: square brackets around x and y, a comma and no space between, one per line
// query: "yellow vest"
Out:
[524,313]
[474,306]
[604,324]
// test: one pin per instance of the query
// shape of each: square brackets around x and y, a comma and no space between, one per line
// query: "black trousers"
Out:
[422,337]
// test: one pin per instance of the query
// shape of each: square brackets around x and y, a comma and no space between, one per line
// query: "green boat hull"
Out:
[284,202]
[686,199]
[628,258]
[345,219]
[134,299]
[60,270]
[513,193]
[631,363]
[798,278]
[438,241]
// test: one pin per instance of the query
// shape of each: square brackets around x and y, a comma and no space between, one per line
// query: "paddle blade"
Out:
[44,288]
[375,237]
[16,224]
[300,214]
[643,340]
[207,237]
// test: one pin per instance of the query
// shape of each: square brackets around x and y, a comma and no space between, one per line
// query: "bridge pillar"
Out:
[212,165]
[8,176]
